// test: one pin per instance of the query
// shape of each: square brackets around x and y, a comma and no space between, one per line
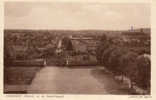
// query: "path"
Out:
[65,80]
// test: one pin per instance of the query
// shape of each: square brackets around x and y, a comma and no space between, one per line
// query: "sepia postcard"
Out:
[77,50]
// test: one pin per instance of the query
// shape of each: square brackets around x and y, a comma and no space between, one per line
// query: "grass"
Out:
[19,75]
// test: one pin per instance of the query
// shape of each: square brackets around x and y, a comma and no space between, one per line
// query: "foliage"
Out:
[114,60]
[67,44]
[102,46]
[144,75]
[28,44]
[106,54]
[123,60]
[128,64]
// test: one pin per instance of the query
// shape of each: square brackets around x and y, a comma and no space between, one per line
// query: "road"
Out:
[83,80]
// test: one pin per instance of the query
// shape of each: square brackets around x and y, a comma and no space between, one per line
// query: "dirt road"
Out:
[64,80]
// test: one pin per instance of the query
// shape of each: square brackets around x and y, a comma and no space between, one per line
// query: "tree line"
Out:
[123,61]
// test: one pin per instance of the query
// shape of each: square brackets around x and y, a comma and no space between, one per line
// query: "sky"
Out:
[76,16]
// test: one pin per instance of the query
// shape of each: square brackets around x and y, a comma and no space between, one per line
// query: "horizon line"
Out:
[82,29]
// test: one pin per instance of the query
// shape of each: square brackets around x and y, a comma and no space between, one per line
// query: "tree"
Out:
[9,53]
[114,60]
[68,48]
[144,71]
[128,65]
[106,54]
[67,44]
[102,46]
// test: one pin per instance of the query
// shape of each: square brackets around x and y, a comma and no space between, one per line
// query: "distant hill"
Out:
[111,33]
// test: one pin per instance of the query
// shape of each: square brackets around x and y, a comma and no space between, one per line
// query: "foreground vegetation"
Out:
[126,60]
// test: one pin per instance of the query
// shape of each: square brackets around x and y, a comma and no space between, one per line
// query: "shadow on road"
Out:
[111,85]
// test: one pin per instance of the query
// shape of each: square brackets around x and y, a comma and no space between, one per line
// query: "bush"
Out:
[106,54]
[114,60]
[129,65]
[144,69]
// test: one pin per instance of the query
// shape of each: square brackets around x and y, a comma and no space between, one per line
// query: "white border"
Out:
[83,97]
